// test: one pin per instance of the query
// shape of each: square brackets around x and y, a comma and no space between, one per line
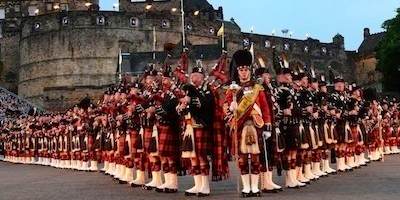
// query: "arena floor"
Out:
[379,180]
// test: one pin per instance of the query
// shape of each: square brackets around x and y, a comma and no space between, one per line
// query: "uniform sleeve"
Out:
[265,108]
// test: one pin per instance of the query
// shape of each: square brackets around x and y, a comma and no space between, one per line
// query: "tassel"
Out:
[139,144]
[188,150]
[154,142]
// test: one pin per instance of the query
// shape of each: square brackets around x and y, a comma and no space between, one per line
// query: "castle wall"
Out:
[365,69]
[9,56]
[84,54]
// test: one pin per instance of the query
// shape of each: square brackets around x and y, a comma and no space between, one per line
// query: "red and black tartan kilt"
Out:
[77,155]
[90,143]
[133,134]
[30,153]
[110,156]
[14,153]
[64,155]
[104,156]
[220,167]
[85,156]
[202,142]
[355,135]
[167,141]
[147,135]
[118,158]
[340,132]
[128,162]
[373,138]
[98,155]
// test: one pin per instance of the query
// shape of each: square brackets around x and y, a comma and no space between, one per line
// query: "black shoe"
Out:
[160,190]
[189,194]
[148,187]
[168,190]
[136,185]
[122,182]
[269,191]
[202,195]
[257,194]
[246,195]
[295,187]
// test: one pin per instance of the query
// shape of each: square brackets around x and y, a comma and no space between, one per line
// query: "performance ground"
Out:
[379,180]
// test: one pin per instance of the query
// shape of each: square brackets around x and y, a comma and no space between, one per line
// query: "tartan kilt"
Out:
[291,134]
[104,156]
[147,135]
[90,143]
[128,162]
[110,156]
[373,138]
[134,135]
[98,156]
[167,141]
[31,153]
[64,155]
[340,131]
[354,133]
[77,155]
[120,145]
[202,142]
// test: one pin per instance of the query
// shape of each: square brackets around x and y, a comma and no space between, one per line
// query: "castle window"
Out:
[267,44]
[2,13]
[246,42]
[287,47]
[101,20]
[134,22]
[189,27]
[324,51]
[211,30]
[64,6]
[36,26]
[17,8]
[65,21]
[33,11]
[165,23]
[49,6]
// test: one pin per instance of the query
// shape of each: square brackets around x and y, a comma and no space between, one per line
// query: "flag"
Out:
[221,31]
[120,57]
[181,71]
[252,51]
[219,70]
[262,63]
[119,67]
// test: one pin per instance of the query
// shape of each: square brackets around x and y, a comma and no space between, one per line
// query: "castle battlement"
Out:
[55,58]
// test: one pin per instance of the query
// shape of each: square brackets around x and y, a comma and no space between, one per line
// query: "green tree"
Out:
[388,54]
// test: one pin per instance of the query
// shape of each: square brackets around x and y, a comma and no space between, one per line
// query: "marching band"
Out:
[167,124]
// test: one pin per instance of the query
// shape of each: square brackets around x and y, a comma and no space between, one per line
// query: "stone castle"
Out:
[54,52]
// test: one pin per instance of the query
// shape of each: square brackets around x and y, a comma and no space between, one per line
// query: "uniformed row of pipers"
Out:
[148,132]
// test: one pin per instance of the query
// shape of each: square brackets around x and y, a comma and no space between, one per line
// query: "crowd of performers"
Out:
[148,132]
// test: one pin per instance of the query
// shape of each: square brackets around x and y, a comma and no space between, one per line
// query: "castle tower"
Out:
[339,40]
